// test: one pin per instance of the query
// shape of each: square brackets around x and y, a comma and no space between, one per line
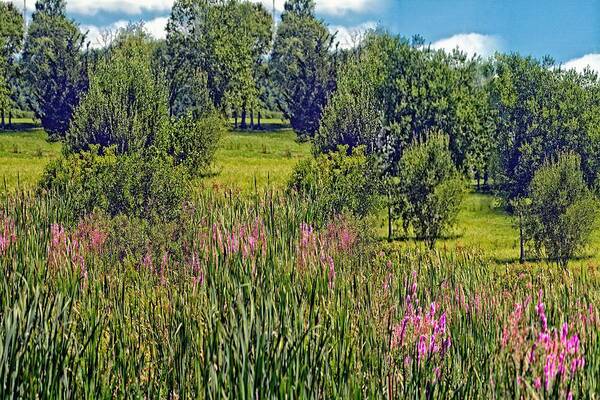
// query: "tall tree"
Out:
[54,66]
[11,42]
[218,44]
[303,65]
[542,111]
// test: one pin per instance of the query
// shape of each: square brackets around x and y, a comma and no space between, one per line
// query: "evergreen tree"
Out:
[303,66]
[54,66]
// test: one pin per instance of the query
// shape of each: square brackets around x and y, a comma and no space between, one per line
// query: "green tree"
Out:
[542,111]
[429,188]
[126,105]
[415,90]
[54,66]
[11,42]
[126,108]
[218,44]
[562,212]
[352,117]
[338,182]
[303,66]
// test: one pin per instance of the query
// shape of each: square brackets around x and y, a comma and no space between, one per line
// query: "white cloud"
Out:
[129,7]
[339,7]
[157,27]
[137,7]
[579,64]
[102,36]
[349,37]
[471,43]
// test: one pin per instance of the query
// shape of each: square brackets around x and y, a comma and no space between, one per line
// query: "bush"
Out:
[126,105]
[193,143]
[351,118]
[562,211]
[140,186]
[430,189]
[338,183]
[127,108]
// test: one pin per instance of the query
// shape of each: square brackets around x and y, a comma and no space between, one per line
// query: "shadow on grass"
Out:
[265,127]
[19,127]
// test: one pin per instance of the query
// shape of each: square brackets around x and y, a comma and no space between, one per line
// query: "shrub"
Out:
[338,182]
[136,185]
[126,105]
[430,189]
[562,210]
[351,118]
[193,143]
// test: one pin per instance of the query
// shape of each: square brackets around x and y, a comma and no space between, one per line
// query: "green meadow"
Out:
[254,160]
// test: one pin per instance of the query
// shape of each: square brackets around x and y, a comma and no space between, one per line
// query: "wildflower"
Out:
[331,274]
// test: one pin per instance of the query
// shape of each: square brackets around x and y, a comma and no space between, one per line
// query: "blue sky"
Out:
[568,30]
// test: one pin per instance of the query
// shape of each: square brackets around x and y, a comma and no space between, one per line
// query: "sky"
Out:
[567,30]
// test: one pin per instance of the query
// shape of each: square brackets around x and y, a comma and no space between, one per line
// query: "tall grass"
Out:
[252,298]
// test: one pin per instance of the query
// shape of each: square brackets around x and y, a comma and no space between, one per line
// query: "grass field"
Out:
[268,158]
[24,152]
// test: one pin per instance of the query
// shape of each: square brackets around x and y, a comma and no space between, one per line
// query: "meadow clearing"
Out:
[391,220]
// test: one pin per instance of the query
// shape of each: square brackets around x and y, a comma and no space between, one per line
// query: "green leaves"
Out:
[54,66]
[429,190]
[338,182]
[562,213]
[303,66]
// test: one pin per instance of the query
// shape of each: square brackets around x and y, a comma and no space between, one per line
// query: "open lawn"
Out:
[24,152]
[268,157]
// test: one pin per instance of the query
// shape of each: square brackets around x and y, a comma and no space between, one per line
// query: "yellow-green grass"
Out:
[24,154]
[264,157]
[484,225]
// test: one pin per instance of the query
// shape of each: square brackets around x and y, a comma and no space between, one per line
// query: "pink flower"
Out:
[331,274]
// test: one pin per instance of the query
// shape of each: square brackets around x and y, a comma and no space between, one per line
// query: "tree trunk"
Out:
[521,239]
[252,119]
[3,123]
[243,125]
[259,118]
[235,119]
[390,231]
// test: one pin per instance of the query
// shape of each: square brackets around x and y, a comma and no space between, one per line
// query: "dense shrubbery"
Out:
[429,188]
[338,182]
[137,185]
[125,154]
[562,211]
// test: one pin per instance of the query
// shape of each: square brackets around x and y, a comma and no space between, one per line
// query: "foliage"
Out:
[562,213]
[429,188]
[54,66]
[249,280]
[126,105]
[217,44]
[302,66]
[541,112]
[139,186]
[414,90]
[11,42]
[193,143]
[338,182]
[352,117]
